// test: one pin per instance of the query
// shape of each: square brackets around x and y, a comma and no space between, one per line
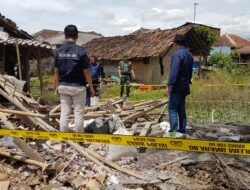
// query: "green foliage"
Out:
[230,103]
[235,53]
[136,94]
[206,35]
[49,92]
[148,95]
[222,60]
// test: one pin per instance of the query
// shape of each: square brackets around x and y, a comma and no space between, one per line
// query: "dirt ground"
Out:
[198,171]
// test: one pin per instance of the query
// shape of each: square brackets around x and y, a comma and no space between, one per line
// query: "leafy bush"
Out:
[222,61]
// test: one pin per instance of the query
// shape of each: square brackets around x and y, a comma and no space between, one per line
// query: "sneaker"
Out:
[182,131]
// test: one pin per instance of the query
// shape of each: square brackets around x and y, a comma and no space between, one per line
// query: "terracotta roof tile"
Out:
[232,40]
[138,45]
[245,50]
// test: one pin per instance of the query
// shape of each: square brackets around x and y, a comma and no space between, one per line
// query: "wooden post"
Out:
[2,59]
[39,68]
[26,67]
[19,61]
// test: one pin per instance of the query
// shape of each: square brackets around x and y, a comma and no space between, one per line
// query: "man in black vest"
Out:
[72,73]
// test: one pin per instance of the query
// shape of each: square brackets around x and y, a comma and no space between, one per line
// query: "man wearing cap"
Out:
[72,73]
[178,84]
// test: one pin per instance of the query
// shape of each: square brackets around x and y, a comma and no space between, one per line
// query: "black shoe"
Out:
[182,131]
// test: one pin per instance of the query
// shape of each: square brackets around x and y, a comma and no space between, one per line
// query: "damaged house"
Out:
[149,51]
[17,48]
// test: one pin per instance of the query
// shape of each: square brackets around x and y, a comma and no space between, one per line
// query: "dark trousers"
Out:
[125,81]
[177,112]
[88,95]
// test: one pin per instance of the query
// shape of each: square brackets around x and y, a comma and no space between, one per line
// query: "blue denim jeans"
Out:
[177,112]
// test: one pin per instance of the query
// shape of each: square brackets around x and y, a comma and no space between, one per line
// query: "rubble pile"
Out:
[50,165]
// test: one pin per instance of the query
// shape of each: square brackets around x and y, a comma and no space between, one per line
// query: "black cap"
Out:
[71,31]
[180,39]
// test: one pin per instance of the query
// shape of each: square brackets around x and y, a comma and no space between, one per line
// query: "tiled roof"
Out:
[26,42]
[245,50]
[138,45]
[232,40]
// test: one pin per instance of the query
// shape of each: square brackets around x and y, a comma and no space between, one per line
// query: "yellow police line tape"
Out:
[164,85]
[220,147]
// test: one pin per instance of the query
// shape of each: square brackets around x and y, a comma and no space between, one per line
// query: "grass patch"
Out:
[227,103]
[49,91]
[136,95]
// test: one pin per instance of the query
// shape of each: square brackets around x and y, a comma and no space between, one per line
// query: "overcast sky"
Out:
[119,17]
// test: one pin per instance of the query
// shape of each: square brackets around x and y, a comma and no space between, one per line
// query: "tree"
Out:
[206,35]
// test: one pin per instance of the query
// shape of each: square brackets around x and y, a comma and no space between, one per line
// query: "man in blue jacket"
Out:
[72,73]
[178,84]
[97,73]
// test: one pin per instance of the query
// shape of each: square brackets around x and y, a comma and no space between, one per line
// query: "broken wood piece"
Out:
[55,109]
[145,103]
[19,142]
[19,61]
[162,112]
[25,160]
[4,185]
[144,132]
[139,114]
[173,161]
[18,104]
[16,112]
[87,153]
[93,184]
[117,102]
[13,91]
[4,176]
[111,107]
[133,128]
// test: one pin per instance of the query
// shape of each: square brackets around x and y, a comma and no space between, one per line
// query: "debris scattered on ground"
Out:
[50,165]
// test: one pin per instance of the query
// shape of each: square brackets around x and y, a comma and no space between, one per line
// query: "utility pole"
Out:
[195,4]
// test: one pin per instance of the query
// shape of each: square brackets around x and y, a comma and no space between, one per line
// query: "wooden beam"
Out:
[25,160]
[139,114]
[19,142]
[23,113]
[40,72]
[19,61]
[162,113]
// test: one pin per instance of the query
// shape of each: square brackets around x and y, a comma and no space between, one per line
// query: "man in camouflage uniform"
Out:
[125,71]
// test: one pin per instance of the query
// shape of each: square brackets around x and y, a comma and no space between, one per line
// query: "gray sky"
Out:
[119,17]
